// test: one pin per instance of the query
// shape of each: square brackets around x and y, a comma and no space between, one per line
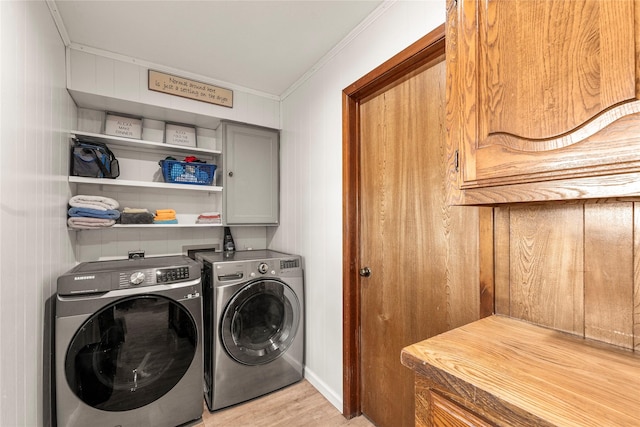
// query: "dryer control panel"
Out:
[176,274]
[104,276]
[153,276]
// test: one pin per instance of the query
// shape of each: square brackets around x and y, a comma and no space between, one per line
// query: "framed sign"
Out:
[179,86]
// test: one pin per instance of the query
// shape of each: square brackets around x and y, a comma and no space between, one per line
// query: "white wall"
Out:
[108,81]
[35,246]
[311,175]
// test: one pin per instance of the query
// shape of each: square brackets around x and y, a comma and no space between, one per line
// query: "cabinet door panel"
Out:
[251,174]
[547,89]
[445,413]
[547,67]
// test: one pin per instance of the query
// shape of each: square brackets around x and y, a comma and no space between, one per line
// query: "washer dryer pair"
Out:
[254,324]
[128,346]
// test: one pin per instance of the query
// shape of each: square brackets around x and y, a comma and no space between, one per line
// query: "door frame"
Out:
[426,49]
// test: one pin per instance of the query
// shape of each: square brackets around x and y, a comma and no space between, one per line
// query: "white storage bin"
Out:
[91,121]
[206,138]
[180,135]
[127,127]
[153,130]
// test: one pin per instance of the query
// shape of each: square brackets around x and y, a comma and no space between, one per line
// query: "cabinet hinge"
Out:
[456,161]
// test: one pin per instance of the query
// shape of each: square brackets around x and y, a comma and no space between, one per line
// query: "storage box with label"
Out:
[153,130]
[127,127]
[206,138]
[91,121]
[180,135]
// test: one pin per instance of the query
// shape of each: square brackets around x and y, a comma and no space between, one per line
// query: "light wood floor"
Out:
[295,406]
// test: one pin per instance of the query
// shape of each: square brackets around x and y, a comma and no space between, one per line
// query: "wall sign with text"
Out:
[179,86]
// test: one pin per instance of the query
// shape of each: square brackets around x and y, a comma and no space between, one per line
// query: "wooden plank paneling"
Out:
[608,278]
[487,262]
[636,276]
[502,265]
[546,249]
[574,267]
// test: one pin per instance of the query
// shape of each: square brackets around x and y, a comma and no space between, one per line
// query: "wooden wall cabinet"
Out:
[544,91]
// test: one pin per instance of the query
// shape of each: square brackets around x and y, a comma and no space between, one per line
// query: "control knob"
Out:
[137,278]
[263,267]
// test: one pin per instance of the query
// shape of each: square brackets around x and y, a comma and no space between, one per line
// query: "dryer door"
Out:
[131,352]
[260,322]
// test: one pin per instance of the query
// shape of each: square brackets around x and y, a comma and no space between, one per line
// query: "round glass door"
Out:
[260,322]
[131,353]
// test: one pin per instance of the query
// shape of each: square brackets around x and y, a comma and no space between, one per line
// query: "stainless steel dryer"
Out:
[254,324]
[128,346]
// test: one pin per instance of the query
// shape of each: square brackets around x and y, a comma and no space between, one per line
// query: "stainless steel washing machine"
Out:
[254,324]
[128,348]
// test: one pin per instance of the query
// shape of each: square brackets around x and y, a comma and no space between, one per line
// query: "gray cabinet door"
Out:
[251,174]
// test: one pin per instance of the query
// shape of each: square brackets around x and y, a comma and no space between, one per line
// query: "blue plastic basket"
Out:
[178,172]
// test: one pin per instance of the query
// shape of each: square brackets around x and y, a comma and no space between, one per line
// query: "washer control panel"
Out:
[241,266]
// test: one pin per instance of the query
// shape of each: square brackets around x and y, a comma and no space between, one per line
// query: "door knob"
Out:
[365,272]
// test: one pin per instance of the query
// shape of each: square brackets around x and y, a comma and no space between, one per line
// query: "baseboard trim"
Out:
[334,398]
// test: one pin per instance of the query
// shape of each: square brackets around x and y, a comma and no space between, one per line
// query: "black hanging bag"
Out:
[93,159]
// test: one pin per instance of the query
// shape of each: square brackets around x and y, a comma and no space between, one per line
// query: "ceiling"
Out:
[265,46]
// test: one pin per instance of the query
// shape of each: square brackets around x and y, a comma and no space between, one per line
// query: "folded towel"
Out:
[83,223]
[93,202]
[94,213]
[165,215]
[208,221]
[165,212]
[135,210]
[164,218]
[209,218]
[136,218]
[166,221]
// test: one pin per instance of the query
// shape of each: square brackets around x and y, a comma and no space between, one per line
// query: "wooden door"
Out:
[422,253]
[547,89]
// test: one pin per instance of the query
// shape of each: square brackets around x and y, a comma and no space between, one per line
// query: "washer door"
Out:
[131,352]
[260,322]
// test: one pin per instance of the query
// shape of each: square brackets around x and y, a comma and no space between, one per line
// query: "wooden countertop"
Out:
[539,376]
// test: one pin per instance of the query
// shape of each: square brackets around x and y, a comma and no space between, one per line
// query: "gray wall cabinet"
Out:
[251,174]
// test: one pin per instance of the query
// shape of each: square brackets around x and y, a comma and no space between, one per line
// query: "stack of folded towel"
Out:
[209,218]
[165,216]
[91,212]
[136,216]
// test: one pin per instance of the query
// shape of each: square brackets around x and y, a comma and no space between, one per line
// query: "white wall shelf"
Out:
[184,221]
[144,184]
[156,226]
[165,225]
[140,144]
